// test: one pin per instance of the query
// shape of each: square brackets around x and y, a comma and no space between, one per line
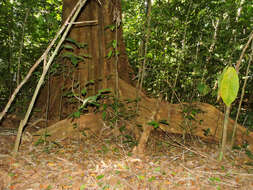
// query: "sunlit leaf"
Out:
[84,91]
[82,187]
[111,27]
[229,86]
[109,55]
[92,98]
[106,90]
[114,44]
[90,82]
[149,55]
[154,124]
[76,114]
[99,177]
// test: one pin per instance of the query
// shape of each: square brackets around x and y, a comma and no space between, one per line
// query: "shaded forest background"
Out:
[190,43]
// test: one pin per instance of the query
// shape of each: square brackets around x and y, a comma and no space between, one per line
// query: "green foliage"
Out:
[111,27]
[183,38]
[154,124]
[190,113]
[89,101]
[40,20]
[116,112]
[77,44]
[113,44]
[42,139]
[69,51]
[99,177]
[191,22]
[206,131]
[203,89]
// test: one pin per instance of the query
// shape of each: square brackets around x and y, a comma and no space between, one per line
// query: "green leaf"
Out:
[74,61]
[86,55]
[77,44]
[84,91]
[111,27]
[90,82]
[109,55]
[82,187]
[104,115]
[80,57]
[152,179]
[67,47]
[114,44]
[82,45]
[154,124]
[163,121]
[229,86]
[100,177]
[203,89]
[71,41]
[206,131]
[92,98]
[76,114]
[213,179]
[149,55]
[140,177]
[106,90]
[68,54]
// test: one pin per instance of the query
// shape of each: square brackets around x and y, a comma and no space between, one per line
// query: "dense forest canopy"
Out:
[199,37]
[189,45]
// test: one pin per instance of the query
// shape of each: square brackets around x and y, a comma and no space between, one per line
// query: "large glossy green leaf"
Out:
[229,86]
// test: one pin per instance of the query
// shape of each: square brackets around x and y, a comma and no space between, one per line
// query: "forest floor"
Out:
[89,162]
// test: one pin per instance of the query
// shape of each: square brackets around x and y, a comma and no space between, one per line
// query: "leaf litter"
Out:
[106,163]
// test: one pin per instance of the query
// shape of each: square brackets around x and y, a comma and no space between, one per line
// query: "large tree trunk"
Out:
[98,37]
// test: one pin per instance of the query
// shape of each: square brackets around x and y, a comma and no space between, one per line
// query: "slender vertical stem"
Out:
[242,95]
[21,46]
[116,63]
[224,134]
[143,68]
[183,50]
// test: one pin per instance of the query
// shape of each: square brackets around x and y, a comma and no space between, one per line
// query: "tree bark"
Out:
[98,68]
